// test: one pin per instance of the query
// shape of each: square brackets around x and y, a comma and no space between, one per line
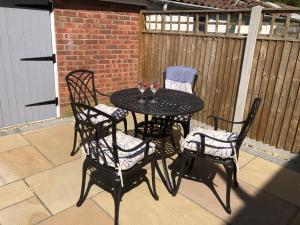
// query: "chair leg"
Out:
[125,125]
[181,172]
[186,128]
[73,152]
[235,176]
[153,165]
[229,172]
[117,199]
[82,195]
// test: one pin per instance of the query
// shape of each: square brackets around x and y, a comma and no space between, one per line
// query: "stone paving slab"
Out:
[13,141]
[55,142]
[59,188]
[88,214]
[13,193]
[22,162]
[28,212]
[277,180]
[139,208]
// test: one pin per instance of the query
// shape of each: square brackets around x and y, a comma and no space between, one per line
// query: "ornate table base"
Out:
[158,128]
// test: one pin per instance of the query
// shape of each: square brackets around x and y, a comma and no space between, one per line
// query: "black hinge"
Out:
[50,102]
[47,7]
[46,58]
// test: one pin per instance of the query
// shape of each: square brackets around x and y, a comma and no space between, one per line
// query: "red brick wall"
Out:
[103,38]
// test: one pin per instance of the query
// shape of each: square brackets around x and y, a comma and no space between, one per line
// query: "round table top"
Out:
[169,102]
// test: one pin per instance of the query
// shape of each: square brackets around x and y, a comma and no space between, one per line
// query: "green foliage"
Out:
[288,2]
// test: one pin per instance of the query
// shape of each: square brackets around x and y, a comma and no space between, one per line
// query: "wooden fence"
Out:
[275,77]
[214,42]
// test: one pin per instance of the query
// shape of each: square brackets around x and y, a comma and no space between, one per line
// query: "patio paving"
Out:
[40,184]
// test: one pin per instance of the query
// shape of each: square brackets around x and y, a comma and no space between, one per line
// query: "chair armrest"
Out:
[201,145]
[216,139]
[91,111]
[217,118]
[100,93]
[145,142]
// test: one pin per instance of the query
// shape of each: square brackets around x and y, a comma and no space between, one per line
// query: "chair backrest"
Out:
[180,78]
[92,135]
[248,122]
[81,87]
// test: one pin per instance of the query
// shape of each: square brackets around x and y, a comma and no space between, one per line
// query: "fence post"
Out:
[247,65]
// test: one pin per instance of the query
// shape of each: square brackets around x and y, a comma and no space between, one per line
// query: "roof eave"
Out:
[128,2]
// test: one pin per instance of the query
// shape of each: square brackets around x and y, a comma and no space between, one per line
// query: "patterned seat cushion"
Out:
[181,118]
[212,147]
[126,159]
[110,110]
[113,111]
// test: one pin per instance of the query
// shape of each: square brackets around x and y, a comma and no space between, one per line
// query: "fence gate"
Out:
[27,86]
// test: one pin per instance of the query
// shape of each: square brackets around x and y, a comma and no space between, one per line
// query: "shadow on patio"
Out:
[267,193]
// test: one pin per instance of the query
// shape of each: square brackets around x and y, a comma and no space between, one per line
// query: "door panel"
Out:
[25,33]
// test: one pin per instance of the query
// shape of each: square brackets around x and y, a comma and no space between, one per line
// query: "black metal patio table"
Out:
[169,103]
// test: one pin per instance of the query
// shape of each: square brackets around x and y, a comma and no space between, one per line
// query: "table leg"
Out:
[135,124]
[145,126]
[165,175]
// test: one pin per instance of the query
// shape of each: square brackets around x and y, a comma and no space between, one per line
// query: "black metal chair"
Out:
[115,159]
[218,147]
[170,83]
[81,86]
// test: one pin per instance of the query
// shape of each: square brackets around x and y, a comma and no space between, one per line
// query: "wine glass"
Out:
[142,86]
[154,86]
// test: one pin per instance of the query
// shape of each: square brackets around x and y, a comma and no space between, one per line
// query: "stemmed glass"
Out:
[154,86]
[142,86]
